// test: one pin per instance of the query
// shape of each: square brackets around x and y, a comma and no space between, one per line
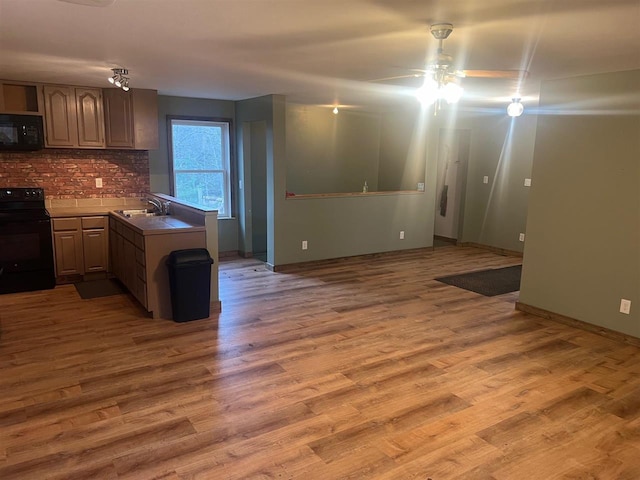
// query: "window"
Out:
[201,163]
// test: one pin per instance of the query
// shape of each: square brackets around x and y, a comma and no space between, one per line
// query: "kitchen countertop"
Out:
[86,211]
[145,225]
[158,225]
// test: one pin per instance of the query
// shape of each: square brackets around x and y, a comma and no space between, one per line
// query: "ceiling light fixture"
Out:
[441,79]
[119,78]
[515,108]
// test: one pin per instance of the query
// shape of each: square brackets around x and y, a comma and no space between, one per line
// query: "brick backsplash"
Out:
[68,173]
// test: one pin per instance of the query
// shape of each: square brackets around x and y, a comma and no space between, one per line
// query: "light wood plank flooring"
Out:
[356,369]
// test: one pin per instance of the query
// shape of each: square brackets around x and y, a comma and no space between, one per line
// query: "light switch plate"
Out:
[98,183]
[521,237]
[527,182]
[485,179]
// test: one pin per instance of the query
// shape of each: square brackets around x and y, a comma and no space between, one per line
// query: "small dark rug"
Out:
[99,288]
[487,282]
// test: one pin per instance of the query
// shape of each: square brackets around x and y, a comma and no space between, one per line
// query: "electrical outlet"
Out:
[421,187]
[485,179]
[625,306]
[401,234]
[521,237]
[305,245]
[527,182]
[98,183]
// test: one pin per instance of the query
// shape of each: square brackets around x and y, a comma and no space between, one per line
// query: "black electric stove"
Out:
[26,248]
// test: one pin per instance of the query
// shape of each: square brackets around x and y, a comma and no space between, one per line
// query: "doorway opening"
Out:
[453,161]
[258,162]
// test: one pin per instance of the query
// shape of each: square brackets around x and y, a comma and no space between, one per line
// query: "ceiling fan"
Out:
[442,79]
[443,62]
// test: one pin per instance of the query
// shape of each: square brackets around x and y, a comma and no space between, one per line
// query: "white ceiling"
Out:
[312,51]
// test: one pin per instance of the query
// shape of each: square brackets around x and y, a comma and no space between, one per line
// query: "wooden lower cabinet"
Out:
[68,248]
[127,259]
[81,245]
[95,244]
[139,262]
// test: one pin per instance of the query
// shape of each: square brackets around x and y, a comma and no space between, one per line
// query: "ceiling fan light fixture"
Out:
[428,93]
[452,92]
[515,108]
[432,92]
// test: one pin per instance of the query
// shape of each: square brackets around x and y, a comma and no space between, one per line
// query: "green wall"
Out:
[331,153]
[354,225]
[582,253]
[159,159]
[333,227]
[501,148]
[269,111]
[403,147]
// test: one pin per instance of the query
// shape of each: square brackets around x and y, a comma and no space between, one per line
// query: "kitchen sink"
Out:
[142,212]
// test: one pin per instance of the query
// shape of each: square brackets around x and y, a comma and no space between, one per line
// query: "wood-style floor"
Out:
[358,369]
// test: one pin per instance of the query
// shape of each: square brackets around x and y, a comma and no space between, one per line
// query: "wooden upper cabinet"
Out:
[21,98]
[90,117]
[73,116]
[131,118]
[87,117]
[145,110]
[118,111]
[60,116]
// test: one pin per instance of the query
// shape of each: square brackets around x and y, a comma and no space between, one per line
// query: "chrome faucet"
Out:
[156,204]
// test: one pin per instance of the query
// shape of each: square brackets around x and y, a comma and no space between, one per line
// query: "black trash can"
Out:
[190,283]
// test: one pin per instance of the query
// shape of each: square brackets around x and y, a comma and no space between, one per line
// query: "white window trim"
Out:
[226,153]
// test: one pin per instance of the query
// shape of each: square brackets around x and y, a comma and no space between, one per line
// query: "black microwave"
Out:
[21,132]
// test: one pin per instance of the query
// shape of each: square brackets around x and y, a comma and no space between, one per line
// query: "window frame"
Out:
[230,174]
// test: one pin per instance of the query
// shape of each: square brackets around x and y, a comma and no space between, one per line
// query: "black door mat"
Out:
[487,282]
[99,288]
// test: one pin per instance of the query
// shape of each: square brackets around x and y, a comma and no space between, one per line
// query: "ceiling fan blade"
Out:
[398,77]
[496,73]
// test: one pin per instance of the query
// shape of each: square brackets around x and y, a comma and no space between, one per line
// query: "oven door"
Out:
[26,255]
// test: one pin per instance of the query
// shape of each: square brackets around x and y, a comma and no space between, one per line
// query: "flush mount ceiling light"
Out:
[515,108]
[119,78]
